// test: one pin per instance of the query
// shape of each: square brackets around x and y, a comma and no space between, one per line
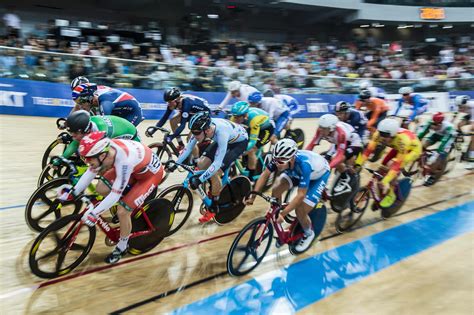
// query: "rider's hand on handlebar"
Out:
[150,131]
[56,161]
[250,200]
[170,166]
[194,182]
[89,218]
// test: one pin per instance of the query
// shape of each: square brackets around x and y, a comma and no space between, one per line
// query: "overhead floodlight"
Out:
[433,25]
[379,25]
[365,25]
[448,26]
[430,40]
[213,16]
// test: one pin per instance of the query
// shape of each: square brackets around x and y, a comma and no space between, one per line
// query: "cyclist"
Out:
[276,109]
[345,144]
[229,143]
[375,91]
[184,107]
[80,123]
[237,90]
[415,104]
[260,129]
[308,171]
[78,81]
[107,101]
[445,133]
[406,148]
[466,106]
[352,117]
[375,109]
[120,162]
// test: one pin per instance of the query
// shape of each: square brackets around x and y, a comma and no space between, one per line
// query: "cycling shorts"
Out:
[281,122]
[264,135]
[315,189]
[234,151]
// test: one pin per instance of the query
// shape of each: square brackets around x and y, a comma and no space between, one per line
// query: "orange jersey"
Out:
[374,105]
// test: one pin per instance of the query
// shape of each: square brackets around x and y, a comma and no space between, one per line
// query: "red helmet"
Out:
[438,118]
[94,144]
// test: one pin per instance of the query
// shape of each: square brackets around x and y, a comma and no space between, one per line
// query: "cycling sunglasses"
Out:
[281,161]
[196,132]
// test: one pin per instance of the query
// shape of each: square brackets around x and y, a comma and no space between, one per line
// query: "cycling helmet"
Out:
[342,106]
[200,121]
[364,85]
[268,93]
[240,108]
[405,90]
[365,94]
[328,121]
[462,100]
[438,118]
[255,97]
[171,94]
[77,81]
[234,86]
[79,121]
[388,127]
[94,144]
[84,92]
[285,149]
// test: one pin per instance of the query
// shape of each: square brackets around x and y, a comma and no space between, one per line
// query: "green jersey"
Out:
[115,127]
[445,134]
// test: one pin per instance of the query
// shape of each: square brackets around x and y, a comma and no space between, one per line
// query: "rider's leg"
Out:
[252,161]
[174,123]
[283,183]
[125,227]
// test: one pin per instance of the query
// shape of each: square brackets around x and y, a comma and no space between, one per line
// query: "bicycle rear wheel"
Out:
[249,247]
[297,135]
[49,172]
[61,247]
[42,208]
[318,219]
[231,200]
[347,218]
[182,201]
[161,215]
[56,148]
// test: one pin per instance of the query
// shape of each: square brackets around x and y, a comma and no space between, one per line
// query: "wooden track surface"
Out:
[199,252]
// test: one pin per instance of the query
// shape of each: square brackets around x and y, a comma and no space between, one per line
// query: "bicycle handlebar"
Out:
[267,198]
[375,173]
[61,123]
[70,164]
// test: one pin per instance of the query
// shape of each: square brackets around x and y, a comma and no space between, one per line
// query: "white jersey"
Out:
[289,101]
[245,90]
[273,106]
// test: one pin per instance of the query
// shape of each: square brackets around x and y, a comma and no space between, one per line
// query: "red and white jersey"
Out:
[132,158]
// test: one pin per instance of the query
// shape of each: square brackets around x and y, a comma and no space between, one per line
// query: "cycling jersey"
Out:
[245,90]
[416,105]
[357,120]
[190,105]
[135,163]
[445,135]
[119,103]
[344,136]
[289,101]
[115,128]
[377,92]
[406,148]
[374,107]
[257,120]
[226,133]
[274,107]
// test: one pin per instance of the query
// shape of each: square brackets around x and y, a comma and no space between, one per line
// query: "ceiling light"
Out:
[448,26]
[213,16]
[365,25]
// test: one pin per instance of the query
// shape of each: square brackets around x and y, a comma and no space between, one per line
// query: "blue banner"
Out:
[35,98]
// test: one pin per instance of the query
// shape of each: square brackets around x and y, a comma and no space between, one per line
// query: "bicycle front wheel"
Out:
[249,247]
[182,200]
[61,247]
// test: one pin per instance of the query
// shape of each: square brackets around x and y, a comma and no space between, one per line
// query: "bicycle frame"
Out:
[244,171]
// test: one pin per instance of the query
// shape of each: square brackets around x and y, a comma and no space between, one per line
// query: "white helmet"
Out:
[328,121]
[405,90]
[234,86]
[365,84]
[285,149]
[462,100]
[388,126]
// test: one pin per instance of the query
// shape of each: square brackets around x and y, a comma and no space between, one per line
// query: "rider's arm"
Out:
[399,106]
[123,172]
[416,104]
[182,123]
[163,119]
[375,112]
[262,179]
[341,147]
[225,100]
[360,122]
[314,141]
[84,181]
[370,148]
[222,141]
[357,104]
[106,107]
[70,149]
[187,150]
[424,131]
[448,134]
[254,130]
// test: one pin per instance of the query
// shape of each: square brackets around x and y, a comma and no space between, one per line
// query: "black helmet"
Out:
[200,121]
[342,106]
[365,94]
[171,94]
[79,121]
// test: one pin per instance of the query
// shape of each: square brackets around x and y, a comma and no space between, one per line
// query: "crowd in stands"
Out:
[311,65]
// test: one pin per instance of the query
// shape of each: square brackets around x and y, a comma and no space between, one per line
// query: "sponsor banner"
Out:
[35,98]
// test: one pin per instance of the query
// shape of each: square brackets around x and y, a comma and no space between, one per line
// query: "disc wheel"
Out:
[249,247]
[231,199]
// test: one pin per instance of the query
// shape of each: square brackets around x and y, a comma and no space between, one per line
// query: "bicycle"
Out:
[347,218]
[261,235]
[239,167]
[48,256]
[63,138]
[43,207]
[231,199]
